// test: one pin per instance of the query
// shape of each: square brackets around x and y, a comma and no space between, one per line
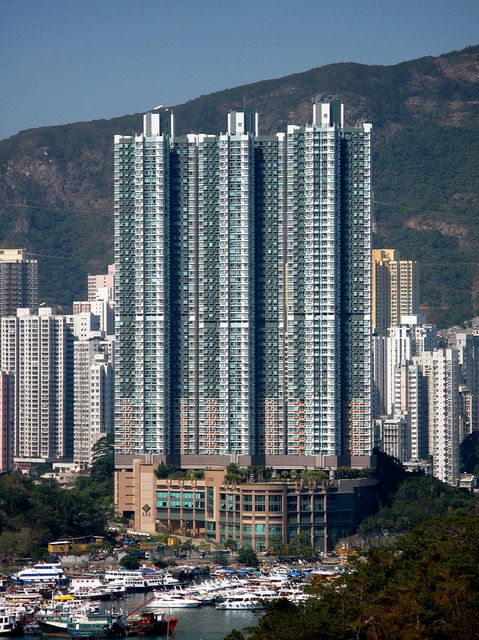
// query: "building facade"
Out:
[250,513]
[443,376]
[243,290]
[18,281]
[93,396]
[37,347]
[102,286]
[395,289]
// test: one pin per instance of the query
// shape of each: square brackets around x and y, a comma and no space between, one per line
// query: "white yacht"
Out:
[241,601]
[172,600]
[42,573]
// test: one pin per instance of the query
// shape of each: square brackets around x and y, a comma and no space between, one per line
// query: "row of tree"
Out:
[34,511]
[426,587]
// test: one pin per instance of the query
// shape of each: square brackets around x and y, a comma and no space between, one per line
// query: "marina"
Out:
[184,603]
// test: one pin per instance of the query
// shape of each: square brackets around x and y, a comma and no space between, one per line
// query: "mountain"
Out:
[56,182]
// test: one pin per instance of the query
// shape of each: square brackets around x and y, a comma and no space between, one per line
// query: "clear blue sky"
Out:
[71,60]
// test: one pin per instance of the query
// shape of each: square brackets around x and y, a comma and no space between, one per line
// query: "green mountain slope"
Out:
[56,182]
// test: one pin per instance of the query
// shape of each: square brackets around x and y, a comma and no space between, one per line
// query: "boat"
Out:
[83,625]
[149,623]
[172,600]
[246,601]
[97,627]
[9,624]
[42,573]
[31,628]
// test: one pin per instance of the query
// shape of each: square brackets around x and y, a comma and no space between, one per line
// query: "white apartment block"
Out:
[442,372]
[468,351]
[93,396]
[35,346]
[410,338]
[102,311]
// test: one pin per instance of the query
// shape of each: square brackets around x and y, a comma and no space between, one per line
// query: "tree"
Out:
[247,556]
[130,562]
[233,473]
[231,544]
[427,587]
[300,547]
[187,546]
[165,470]
[314,476]
[276,546]
[103,462]
[103,447]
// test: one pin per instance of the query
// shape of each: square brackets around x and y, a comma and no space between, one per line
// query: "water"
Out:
[200,623]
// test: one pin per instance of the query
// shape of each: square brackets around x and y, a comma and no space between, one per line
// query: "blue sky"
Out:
[72,60]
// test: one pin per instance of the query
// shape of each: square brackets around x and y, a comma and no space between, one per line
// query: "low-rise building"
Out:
[249,513]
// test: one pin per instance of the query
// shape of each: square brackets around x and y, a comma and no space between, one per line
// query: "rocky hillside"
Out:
[56,182]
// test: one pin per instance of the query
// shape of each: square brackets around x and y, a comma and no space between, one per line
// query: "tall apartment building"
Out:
[442,372]
[395,289]
[412,337]
[93,415]
[18,281]
[243,291]
[36,347]
[468,351]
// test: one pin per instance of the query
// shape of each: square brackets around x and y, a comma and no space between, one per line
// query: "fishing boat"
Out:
[83,625]
[148,623]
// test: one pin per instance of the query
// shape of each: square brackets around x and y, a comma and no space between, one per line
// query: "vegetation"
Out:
[130,562]
[427,587]
[234,473]
[170,471]
[34,511]
[247,557]
[418,498]
[56,182]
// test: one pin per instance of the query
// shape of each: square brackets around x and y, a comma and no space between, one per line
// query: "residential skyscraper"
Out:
[442,372]
[36,347]
[93,395]
[395,289]
[18,281]
[243,291]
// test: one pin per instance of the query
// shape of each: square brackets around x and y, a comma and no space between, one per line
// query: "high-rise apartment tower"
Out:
[395,289]
[18,281]
[243,291]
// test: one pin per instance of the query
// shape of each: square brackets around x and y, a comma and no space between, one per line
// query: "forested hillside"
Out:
[56,182]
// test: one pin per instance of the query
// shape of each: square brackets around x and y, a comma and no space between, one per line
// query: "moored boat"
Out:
[149,623]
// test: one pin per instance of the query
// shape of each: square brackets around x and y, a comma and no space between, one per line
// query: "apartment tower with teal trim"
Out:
[243,291]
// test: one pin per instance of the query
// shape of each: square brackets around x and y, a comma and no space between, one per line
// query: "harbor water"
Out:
[200,623]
